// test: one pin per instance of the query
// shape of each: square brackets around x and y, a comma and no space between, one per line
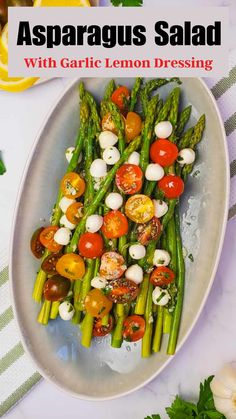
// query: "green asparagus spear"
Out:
[134,93]
[151,86]
[147,133]
[119,123]
[195,139]
[156,344]
[183,119]
[147,338]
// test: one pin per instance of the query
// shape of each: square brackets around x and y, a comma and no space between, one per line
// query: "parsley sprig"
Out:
[127,3]
[2,167]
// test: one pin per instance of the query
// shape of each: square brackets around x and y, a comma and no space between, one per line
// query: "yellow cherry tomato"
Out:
[133,126]
[74,212]
[139,208]
[97,304]
[72,185]
[71,266]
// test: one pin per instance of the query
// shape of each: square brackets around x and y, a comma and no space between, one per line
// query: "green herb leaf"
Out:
[153,417]
[2,167]
[127,3]
[180,409]
[206,401]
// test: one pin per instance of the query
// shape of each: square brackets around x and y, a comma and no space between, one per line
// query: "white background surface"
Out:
[211,343]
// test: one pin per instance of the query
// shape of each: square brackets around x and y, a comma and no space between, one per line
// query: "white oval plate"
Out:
[102,372]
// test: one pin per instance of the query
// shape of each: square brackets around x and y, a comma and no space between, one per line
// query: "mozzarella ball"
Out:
[160,296]
[69,153]
[107,139]
[134,158]
[65,203]
[114,200]
[62,236]
[137,251]
[66,223]
[134,273]
[98,282]
[161,257]
[160,207]
[111,155]
[66,310]
[163,129]
[186,156]
[154,171]
[94,223]
[98,168]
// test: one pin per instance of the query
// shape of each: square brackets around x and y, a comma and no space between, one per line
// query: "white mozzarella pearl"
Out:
[98,282]
[134,158]
[98,168]
[137,251]
[134,273]
[160,296]
[66,310]
[154,171]
[163,129]
[111,155]
[94,223]
[186,156]
[62,236]
[69,153]
[66,223]
[65,203]
[114,200]
[107,139]
[161,257]
[160,207]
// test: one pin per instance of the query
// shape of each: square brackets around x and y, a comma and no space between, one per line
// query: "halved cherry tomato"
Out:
[35,245]
[115,224]
[74,212]
[90,245]
[49,264]
[163,152]
[112,265]
[108,124]
[100,330]
[71,266]
[172,186]
[129,179]
[134,328]
[56,288]
[122,290]
[120,97]
[72,185]
[161,276]
[47,239]
[133,126]
[139,208]
[149,231]
[97,304]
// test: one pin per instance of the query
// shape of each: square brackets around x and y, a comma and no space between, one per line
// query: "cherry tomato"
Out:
[133,126]
[115,224]
[74,212]
[47,239]
[56,288]
[120,97]
[72,185]
[122,290]
[112,265]
[149,231]
[97,304]
[129,179]
[108,124]
[100,330]
[90,245]
[49,263]
[172,186]
[162,275]
[71,266]
[163,152]
[134,328]
[139,208]
[35,245]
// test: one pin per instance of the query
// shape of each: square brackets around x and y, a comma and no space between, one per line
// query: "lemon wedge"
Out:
[3,69]
[17,85]
[4,44]
[62,3]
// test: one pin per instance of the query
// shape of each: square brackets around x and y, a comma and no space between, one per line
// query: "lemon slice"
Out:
[3,69]
[62,3]
[17,85]
[4,43]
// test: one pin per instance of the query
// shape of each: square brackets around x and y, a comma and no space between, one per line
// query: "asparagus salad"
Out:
[111,258]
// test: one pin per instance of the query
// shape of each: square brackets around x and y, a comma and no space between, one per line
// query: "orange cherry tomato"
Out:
[139,208]
[134,328]
[47,239]
[97,304]
[36,246]
[120,97]
[163,152]
[72,185]
[162,275]
[149,231]
[115,224]
[122,290]
[56,288]
[74,212]
[108,124]
[133,126]
[112,265]
[71,266]
[172,186]
[90,245]
[129,179]
[100,330]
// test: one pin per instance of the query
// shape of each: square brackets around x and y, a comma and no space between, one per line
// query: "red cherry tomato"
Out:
[36,246]
[122,290]
[149,231]
[115,224]
[162,276]
[47,239]
[56,288]
[90,245]
[134,328]
[172,186]
[100,330]
[112,265]
[163,152]
[129,179]
[120,97]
